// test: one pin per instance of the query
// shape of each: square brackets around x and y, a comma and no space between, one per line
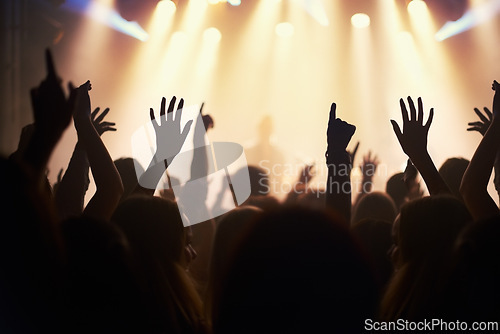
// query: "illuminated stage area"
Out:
[284,61]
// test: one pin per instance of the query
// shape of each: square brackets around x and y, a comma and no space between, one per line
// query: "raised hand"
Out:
[52,115]
[208,121]
[50,106]
[413,139]
[339,133]
[306,174]
[81,104]
[169,137]
[99,125]
[484,122]
[496,98]
[369,165]
[352,153]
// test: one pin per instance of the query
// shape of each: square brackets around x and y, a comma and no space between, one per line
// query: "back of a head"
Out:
[429,228]
[375,205]
[396,188]
[157,239]
[375,237]
[296,271]
[102,292]
[475,292]
[230,231]
[452,171]
[153,227]
[127,169]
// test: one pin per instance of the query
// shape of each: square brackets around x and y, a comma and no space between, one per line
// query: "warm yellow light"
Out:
[166,7]
[213,2]
[360,20]
[284,29]
[416,7]
[212,35]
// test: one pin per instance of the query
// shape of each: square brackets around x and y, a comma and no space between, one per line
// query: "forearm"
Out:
[430,174]
[107,179]
[71,191]
[338,187]
[476,177]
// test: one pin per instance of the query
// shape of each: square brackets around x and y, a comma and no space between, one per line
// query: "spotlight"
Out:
[212,35]
[284,29]
[360,20]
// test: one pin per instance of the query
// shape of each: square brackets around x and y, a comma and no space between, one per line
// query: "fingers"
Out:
[355,149]
[107,126]
[478,124]
[94,113]
[102,115]
[162,109]
[476,128]
[49,62]
[488,112]
[333,112]
[404,112]
[170,115]
[413,112]
[429,120]
[396,129]
[480,115]
[185,131]
[153,120]
[178,114]
[420,111]
[59,175]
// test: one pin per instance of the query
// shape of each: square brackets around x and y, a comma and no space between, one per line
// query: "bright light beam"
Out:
[470,19]
[315,9]
[107,16]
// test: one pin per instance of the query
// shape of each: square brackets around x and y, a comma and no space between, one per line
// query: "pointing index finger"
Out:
[49,62]
[333,112]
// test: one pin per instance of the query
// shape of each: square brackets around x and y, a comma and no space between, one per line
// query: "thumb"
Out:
[397,130]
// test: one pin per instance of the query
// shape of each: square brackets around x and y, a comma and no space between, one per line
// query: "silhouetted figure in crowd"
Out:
[296,271]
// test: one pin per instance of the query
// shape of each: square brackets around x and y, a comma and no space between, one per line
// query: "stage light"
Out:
[234,2]
[166,7]
[284,29]
[472,18]
[212,35]
[360,20]
[315,9]
[415,6]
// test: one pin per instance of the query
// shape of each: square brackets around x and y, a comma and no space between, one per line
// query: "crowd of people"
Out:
[126,262]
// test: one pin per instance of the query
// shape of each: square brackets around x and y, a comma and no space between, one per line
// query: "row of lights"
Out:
[286,29]
[231,2]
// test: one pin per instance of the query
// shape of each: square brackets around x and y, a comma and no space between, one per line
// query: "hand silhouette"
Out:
[99,125]
[169,138]
[339,133]
[413,139]
[496,98]
[484,122]
[369,165]
[208,121]
[51,111]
